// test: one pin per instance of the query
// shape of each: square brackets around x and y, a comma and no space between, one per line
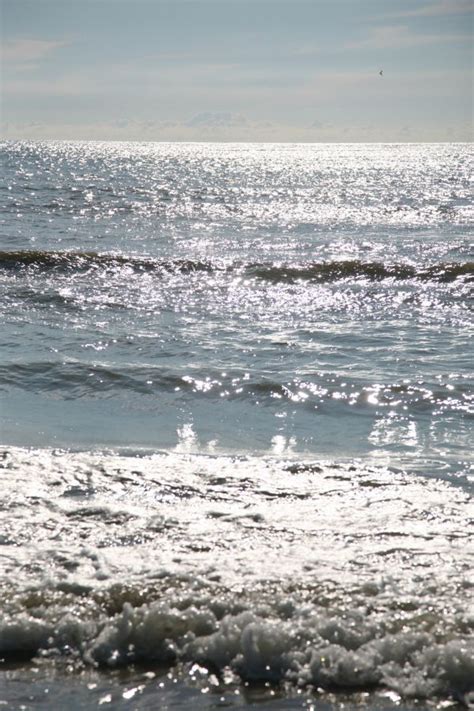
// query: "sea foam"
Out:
[333,576]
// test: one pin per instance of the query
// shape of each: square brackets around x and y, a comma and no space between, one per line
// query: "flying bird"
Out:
[381,72]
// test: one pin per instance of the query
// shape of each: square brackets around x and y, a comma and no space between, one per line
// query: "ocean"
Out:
[236,426]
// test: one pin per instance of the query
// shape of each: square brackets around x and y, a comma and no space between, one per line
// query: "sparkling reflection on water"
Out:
[293,299]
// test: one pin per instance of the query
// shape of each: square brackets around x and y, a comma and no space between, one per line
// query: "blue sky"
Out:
[272,70]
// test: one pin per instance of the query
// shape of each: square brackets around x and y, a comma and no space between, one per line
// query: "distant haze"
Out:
[237,70]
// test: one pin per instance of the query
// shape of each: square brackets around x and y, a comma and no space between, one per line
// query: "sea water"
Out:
[236,418]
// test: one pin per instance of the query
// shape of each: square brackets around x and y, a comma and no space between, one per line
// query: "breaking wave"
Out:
[392,623]
[264,638]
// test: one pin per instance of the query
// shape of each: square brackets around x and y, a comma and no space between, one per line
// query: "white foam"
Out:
[337,577]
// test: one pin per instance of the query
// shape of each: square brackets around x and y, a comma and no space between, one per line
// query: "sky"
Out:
[237,70]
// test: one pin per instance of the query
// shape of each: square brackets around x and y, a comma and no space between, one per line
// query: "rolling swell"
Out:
[76,379]
[355,269]
[83,261]
[71,380]
[327,271]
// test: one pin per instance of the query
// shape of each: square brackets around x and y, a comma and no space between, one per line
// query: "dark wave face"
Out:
[80,261]
[355,269]
[284,299]
[312,271]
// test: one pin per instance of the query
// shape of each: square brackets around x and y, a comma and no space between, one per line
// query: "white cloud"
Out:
[138,130]
[320,125]
[216,119]
[444,7]
[20,51]
[401,37]
[67,87]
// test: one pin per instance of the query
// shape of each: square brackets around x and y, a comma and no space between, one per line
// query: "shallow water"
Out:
[236,413]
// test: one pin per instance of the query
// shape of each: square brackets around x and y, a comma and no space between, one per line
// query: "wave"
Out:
[276,273]
[273,571]
[356,269]
[80,261]
[75,379]
[284,640]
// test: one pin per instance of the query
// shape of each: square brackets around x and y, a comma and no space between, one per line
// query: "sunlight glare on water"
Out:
[236,416]
[336,276]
